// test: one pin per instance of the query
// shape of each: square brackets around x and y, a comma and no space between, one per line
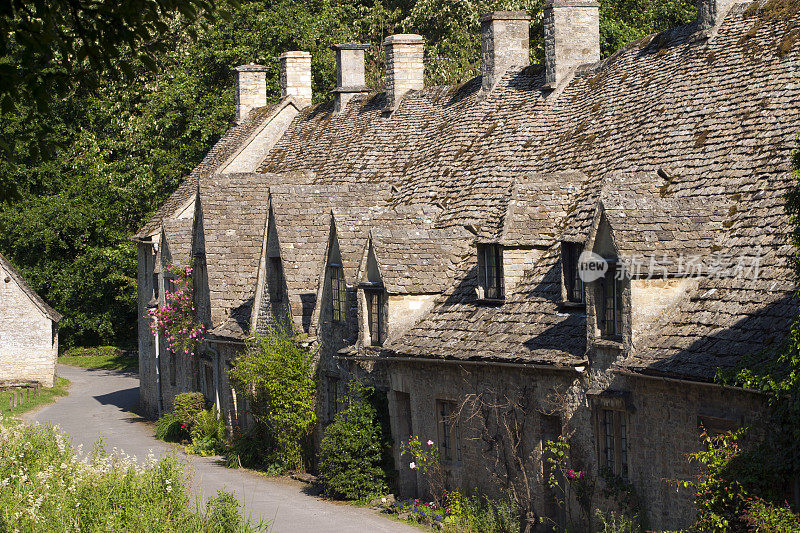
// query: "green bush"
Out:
[479,514]
[354,449]
[274,374]
[764,516]
[208,433]
[44,486]
[170,428]
[187,405]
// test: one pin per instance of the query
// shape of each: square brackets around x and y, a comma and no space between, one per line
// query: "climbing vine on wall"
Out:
[177,319]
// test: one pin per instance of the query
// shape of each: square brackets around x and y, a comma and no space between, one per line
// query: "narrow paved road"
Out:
[100,403]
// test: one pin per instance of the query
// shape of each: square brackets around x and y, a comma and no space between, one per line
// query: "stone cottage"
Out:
[28,332]
[586,241]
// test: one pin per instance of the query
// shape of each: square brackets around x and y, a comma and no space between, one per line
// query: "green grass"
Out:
[44,397]
[101,362]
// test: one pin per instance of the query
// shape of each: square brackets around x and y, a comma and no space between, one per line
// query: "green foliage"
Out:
[615,523]
[187,405]
[479,514]
[100,357]
[170,428]
[274,374]
[764,516]
[208,434]
[355,449]
[45,486]
[426,459]
[569,484]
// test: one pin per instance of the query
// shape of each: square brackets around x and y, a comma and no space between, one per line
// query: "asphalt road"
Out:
[100,404]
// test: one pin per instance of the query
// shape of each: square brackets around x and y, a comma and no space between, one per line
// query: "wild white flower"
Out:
[430,443]
[412,465]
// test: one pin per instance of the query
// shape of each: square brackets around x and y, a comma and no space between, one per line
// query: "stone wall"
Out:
[662,420]
[515,262]
[251,88]
[28,338]
[505,42]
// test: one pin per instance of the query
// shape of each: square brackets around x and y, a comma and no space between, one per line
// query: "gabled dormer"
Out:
[272,294]
[333,309]
[372,296]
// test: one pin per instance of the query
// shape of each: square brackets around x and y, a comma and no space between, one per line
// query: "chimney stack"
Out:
[251,88]
[405,70]
[504,43]
[571,37]
[296,75]
[350,79]
[711,12]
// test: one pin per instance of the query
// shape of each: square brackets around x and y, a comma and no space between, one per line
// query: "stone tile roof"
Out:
[706,120]
[303,218]
[657,234]
[233,210]
[420,261]
[224,148]
[534,210]
[529,327]
[37,300]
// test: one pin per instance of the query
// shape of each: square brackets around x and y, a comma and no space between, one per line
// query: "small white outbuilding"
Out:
[28,332]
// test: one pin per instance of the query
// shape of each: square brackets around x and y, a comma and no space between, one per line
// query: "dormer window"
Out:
[610,309]
[490,270]
[375,314]
[338,292]
[573,284]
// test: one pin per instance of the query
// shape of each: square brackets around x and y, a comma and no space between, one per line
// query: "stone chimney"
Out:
[296,75]
[711,12]
[349,73]
[504,43]
[251,88]
[571,37]
[405,70]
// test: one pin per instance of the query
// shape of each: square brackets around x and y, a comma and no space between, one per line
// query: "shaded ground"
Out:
[100,404]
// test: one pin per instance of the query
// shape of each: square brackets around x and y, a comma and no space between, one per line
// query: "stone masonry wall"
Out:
[28,341]
[251,89]
[515,262]
[651,298]
[661,416]
[505,42]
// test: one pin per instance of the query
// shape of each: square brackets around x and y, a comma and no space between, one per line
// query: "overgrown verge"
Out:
[45,486]
[274,375]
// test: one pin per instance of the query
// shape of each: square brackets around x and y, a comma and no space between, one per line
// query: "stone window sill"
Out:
[490,301]
[610,344]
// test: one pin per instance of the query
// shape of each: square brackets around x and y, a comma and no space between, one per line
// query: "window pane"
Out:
[608,430]
[618,306]
[623,444]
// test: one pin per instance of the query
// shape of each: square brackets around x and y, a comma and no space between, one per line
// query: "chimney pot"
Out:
[251,88]
[571,37]
[404,66]
[296,75]
[350,79]
[505,42]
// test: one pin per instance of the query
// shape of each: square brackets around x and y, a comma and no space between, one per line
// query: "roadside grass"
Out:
[100,358]
[101,362]
[44,397]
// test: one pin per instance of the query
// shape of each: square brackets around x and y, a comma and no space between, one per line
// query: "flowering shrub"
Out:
[177,319]
[570,486]
[46,486]
[425,458]
[462,514]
